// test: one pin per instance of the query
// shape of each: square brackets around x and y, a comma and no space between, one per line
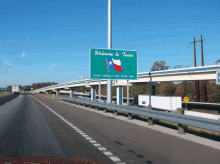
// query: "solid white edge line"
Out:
[113,158]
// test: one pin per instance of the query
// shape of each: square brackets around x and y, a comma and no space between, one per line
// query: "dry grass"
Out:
[50,96]
[3,94]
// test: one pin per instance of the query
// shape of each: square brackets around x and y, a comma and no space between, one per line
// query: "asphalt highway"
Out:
[29,126]
[6,99]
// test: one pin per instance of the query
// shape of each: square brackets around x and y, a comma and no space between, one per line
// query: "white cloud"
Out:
[78,74]
[8,63]
[23,54]
[81,77]
[51,67]
[54,64]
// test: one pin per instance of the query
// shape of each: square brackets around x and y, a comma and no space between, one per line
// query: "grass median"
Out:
[53,97]
[3,94]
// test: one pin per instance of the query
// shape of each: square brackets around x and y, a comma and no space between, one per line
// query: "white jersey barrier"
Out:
[170,103]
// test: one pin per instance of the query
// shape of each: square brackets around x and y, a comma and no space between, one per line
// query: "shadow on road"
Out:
[6,99]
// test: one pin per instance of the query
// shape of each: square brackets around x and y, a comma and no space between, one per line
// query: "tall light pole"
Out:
[109,82]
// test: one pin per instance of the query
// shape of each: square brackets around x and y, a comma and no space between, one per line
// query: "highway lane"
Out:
[132,143]
[7,98]
[29,128]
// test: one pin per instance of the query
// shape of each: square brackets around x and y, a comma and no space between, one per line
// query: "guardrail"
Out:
[181,120]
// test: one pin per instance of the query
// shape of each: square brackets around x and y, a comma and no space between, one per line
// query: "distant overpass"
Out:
[151,78]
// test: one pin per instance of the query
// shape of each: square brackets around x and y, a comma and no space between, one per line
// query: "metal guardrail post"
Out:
[129,116]
[150,121]
[181,129]
[116,113]
[105,110]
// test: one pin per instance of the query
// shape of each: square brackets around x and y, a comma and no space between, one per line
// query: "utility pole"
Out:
[197,83]
[204,83]
[202,50]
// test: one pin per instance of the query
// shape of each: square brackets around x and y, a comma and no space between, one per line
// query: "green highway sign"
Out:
[113,64]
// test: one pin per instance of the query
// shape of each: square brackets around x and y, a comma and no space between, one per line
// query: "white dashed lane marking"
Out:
[96,144]
[107,153]
[115,159]
[93,141]
[101,148]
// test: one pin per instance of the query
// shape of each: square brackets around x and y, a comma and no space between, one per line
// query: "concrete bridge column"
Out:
[57,92]
[71,93]
[93,94]
[119,95]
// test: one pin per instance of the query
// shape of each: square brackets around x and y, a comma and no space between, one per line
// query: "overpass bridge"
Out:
[144,78]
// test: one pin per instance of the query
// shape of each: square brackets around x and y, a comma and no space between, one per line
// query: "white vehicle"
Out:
[15,89]
[165,103]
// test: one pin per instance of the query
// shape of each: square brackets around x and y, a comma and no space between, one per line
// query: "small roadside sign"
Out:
[32,88]
[186,99]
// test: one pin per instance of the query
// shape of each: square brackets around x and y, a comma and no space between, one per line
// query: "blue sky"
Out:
[46,41]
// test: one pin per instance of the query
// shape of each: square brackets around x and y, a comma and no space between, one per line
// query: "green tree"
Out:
[169,89]
[214,91]
[217,62]
[157,66]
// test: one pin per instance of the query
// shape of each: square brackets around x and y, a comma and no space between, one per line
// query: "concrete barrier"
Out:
[204,115]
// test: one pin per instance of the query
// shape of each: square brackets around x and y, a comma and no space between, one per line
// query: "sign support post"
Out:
[99,90]
[127,92]
[109,81]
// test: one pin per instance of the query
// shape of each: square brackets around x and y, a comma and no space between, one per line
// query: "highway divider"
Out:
[181,120]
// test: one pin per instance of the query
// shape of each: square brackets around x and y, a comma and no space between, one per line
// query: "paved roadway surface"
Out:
[27,127]
[7,98]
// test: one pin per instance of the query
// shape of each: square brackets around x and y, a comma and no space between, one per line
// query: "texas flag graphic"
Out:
[113,64]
